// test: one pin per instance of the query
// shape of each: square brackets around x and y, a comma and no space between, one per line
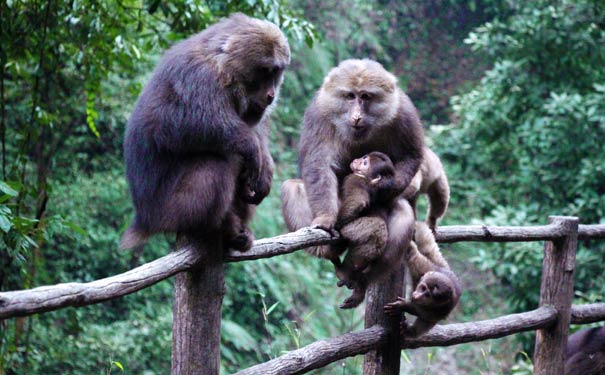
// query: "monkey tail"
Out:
[133,237]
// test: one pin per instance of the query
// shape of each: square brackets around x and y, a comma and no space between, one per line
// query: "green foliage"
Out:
[529,139]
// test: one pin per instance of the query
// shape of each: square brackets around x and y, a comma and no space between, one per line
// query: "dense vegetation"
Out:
[512,95]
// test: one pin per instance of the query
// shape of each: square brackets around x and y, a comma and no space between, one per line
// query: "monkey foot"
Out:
[354,300]
[241,242]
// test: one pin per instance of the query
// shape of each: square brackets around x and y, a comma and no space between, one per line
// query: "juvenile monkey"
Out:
[367,194]
[436,289]
[196,144]
[432,181]
[358,109]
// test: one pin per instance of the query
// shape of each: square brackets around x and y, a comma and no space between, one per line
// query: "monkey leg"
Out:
[297,214]
[295,207]
[367,237]
[357,297]
[236,233]
[201,195]
[428,248]
[439,197]
[400,228]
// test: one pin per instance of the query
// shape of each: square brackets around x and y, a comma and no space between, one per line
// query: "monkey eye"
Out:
[350,96]
[366,96]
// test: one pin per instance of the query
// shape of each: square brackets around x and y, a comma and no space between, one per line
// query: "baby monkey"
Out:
[366,197]
[436,288]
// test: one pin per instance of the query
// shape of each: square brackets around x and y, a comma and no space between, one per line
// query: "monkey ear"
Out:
[376,180]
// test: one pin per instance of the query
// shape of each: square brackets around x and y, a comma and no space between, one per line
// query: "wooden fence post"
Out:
[196,326]
[557,291]
[386,359]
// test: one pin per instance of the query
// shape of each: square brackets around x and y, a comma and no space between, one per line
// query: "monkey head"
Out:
[373,166]
[359,95]
[251,59]
[433,289]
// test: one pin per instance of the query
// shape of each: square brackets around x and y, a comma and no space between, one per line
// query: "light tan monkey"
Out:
[358,109]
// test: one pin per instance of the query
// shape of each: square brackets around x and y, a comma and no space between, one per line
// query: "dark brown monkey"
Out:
[367,195]
[358,109]
[436,289]
[196,146]
[432,181]
[586,352]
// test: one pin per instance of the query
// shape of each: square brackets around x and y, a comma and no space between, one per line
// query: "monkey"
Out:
[196,144]
[367,194]
[432,181]
[585,353]
[358,109]
[436,289]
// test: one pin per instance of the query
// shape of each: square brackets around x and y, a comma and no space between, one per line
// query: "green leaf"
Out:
[7,189]
[118,365]
[5,223]
[272,308]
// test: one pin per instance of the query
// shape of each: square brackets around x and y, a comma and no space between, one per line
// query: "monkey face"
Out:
[262,85]
[361,166]
[432,291]
[373,166]
[360,95]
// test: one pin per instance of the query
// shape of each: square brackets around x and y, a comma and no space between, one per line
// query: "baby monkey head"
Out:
[433,289]
[373,166]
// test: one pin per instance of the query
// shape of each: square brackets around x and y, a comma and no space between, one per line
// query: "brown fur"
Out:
[196,145]
[436,289]
[431,180]
[586,352]
[367,195]
[358,109]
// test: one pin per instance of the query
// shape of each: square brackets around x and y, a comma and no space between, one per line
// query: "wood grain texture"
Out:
[557,291]
[197,311]
[385,359]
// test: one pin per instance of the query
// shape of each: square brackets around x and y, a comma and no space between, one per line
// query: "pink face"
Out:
[361,165]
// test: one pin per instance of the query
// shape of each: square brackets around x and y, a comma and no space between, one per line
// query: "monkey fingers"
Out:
[395,307]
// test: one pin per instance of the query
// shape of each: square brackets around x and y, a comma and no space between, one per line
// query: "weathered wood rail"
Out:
[199,290]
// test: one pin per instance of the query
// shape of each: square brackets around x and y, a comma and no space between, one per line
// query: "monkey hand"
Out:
[325,222]
[354,300]
[254,194]
[251,170]
[394,308]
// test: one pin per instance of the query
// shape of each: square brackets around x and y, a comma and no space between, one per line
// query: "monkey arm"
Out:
[406,170]
[206,117]
[263,186]
[321,184]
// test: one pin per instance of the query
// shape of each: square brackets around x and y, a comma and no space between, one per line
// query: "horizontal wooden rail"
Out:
[321,353]
[589,313]
[49,298]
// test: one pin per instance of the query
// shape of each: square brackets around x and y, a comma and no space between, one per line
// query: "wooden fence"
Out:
[200,287]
